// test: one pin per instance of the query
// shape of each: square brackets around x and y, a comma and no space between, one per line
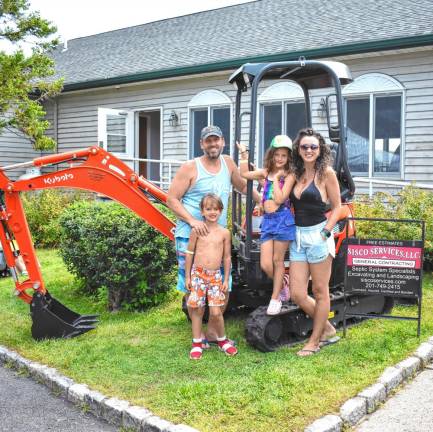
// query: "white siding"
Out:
[15,148]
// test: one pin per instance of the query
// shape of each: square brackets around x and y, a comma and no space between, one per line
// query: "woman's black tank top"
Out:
[309,208]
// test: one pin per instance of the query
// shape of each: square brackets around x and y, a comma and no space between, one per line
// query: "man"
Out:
[214,173]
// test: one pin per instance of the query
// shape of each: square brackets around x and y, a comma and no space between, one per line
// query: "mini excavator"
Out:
[96,170]
[92,169]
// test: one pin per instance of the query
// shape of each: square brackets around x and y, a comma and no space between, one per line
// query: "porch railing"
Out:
[400,184]
[167,169]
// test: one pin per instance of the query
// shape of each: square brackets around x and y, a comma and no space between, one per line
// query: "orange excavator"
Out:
[91,169]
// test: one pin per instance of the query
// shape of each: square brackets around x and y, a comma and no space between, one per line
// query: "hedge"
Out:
[410,203]
[43,209]
[111,250]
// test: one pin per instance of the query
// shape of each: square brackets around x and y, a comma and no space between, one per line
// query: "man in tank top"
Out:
[214,173]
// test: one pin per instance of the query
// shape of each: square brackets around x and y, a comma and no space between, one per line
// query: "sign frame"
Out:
[416,295]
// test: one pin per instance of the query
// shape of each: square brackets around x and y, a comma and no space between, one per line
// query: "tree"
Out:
[26,78]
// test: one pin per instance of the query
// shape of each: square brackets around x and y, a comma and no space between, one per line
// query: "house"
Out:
[146,91]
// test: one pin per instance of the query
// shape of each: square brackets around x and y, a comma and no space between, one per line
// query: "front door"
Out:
[149,145]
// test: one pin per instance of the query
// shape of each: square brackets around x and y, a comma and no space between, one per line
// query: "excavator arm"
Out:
[92,169]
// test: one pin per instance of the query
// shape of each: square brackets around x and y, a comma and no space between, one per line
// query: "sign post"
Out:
[390,268]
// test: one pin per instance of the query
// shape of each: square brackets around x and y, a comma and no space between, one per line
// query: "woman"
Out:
[312,252]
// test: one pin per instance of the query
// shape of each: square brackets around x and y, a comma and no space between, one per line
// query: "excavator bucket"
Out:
[52,320]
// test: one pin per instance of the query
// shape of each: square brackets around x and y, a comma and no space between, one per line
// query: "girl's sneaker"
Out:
[274,307]
[196,351]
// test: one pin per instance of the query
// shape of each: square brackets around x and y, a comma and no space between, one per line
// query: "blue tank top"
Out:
[206,182]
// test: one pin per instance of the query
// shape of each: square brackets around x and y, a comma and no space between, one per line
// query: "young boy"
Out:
[203,277]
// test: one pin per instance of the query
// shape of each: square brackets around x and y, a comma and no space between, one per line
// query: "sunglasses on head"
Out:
[306,147]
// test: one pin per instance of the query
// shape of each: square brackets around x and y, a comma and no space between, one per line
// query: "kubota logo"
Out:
[58,179]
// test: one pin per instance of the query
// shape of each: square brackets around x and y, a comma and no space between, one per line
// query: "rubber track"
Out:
[268,333]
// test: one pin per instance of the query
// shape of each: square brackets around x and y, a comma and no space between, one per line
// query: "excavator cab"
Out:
[252,287]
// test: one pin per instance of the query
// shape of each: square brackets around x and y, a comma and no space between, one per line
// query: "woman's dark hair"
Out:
[269,163]
[214,199]
[322,162]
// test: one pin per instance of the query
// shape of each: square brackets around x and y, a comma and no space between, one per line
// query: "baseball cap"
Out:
[209,131]
[281,141]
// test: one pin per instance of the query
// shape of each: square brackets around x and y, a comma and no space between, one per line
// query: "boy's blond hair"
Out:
[215,199]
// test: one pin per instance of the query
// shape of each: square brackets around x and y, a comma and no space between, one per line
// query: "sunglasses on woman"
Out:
[306,147]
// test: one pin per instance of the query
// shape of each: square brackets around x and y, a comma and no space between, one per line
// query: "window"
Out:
[374,125]
[115,131]
[116,134]
[209,107]
[282,111]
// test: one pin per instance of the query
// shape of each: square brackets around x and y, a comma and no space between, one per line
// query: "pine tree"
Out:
[26,71]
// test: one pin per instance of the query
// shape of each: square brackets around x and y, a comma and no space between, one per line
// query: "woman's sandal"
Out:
[228,348]
[196,351]
[308,352]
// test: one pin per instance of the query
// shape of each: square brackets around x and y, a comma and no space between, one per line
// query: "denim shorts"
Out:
[181,246]
[279,225]
[310,246]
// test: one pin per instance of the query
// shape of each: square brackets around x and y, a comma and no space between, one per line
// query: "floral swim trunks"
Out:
[206,283]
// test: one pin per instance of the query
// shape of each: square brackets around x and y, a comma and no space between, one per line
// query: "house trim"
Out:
[364,47]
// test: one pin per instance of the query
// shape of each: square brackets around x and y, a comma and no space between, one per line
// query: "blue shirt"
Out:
[206,182]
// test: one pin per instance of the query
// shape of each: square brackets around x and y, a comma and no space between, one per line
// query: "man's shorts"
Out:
[310,246]
[279,225]
[181,247]
[205,284]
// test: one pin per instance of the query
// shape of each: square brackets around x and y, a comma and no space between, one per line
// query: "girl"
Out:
[312,253]
[278,227]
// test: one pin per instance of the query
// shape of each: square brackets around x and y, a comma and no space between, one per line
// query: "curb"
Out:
[116,412]
[368,400]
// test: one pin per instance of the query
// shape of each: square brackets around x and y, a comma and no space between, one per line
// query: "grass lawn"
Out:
[143,358]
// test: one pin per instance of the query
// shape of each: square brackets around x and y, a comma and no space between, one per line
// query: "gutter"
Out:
[340,50]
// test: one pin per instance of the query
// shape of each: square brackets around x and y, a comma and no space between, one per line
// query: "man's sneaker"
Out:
[274,307]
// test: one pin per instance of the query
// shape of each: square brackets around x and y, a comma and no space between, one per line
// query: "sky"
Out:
[78,18]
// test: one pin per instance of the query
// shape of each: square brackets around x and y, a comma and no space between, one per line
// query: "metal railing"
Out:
[166,169]
[400,184]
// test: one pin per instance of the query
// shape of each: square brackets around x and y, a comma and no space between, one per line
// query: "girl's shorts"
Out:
[310,246]
[279,225]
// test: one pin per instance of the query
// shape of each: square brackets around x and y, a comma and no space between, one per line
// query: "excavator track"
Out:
[268,333]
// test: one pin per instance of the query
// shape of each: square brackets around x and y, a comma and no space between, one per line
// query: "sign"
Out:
[384,267]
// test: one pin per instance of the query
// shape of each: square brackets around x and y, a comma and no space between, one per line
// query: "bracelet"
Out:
[325,233]
[243,161]
[189,252]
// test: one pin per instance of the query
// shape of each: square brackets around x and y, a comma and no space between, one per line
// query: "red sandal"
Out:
[196,351]
[228,348]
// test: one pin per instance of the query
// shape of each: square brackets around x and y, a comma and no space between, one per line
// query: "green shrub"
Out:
[43,209]
[410,203]
[112,250]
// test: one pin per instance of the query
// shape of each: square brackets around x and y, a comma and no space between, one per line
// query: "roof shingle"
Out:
[248,30]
